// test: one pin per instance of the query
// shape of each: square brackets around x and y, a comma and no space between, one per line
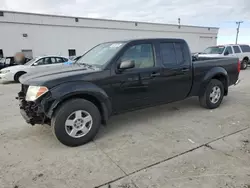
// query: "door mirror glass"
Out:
[126,65]
[226,53]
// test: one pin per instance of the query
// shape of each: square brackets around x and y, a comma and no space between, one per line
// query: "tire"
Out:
[18,75]
[206,100]
[244,64]
[68,110]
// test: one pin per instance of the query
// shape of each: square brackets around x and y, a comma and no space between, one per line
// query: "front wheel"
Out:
[76,122]
[244,64]
[213,95]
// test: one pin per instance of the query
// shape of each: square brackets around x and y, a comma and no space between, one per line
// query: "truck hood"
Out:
[57,75]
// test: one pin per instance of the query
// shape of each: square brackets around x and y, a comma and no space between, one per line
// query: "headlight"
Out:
[34,92]
[4,71]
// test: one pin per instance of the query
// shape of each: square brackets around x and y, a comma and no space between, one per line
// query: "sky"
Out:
[215,13]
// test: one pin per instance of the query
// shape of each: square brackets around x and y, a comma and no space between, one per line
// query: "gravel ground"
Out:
[174,145]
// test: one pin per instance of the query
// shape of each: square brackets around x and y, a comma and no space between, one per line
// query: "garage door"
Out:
[28,53]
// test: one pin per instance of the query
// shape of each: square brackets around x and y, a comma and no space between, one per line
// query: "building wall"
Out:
[47,35]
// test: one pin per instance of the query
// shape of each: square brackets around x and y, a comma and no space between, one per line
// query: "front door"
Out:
[229,51]
[134,88]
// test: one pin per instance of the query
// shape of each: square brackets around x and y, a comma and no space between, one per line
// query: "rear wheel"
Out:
[76,122]
[18,75]
[244,64]
[213,95]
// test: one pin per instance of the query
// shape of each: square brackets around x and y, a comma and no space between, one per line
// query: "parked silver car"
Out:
[37,64]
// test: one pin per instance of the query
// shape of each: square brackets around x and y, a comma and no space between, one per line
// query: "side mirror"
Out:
[226,53]
[35,64]
[126,65]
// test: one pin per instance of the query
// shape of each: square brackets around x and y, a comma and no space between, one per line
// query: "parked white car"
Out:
[232,50]
[40,64]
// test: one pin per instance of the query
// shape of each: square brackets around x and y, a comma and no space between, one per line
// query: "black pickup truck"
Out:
[115,77]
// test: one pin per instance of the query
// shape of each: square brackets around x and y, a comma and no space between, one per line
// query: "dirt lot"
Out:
[175,145]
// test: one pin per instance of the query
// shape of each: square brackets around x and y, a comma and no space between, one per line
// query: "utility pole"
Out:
[179,23]
[238,30]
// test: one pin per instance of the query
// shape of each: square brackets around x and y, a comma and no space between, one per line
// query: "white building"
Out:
[38,34]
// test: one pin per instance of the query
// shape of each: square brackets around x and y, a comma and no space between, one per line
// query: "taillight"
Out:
[239,66]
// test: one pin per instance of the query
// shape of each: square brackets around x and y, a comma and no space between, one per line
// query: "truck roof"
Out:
[149,39]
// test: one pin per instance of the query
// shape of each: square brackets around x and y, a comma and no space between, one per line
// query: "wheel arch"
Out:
[246,58]
[90,92]
[100,105]
[18,73]
[218,73]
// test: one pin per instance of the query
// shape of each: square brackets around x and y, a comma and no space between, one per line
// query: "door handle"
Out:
[154,74]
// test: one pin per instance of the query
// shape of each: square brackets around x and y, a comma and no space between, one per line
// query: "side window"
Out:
[47,61]
[59,60]
[53,60]
[168,55]
[236,49]
[141,54]
[229,50]
[44,61]
[245,48]
[182,54]
[40,62]
[7,61]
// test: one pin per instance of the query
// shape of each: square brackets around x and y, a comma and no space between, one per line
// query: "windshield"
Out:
[30,62]
[214,50]
[101,54]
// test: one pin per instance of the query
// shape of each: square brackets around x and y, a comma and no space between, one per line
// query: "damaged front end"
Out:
[32,112]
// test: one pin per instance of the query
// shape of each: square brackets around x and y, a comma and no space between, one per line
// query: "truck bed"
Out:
[201,66]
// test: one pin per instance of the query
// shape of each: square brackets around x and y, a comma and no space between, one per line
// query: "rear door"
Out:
[176,71]
[237,51]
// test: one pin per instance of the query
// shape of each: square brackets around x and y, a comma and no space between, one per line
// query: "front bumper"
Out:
[26,117]
[237,82]
[30,111]
[6,77]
